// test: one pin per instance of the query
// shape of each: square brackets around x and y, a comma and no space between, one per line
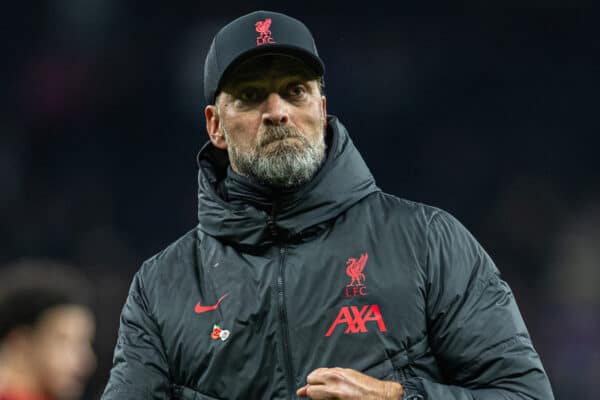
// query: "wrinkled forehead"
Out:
[267,67]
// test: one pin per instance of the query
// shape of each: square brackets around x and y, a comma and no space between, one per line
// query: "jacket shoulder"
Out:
[418,223]
[442,231]
[396,207]
[170,261]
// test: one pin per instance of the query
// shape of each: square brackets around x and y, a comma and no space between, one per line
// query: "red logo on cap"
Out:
[264,32]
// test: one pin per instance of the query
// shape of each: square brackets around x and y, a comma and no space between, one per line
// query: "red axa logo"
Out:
[355,319]
[264,32]
[354,269]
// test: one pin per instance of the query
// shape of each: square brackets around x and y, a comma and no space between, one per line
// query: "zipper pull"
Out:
[271,221]
[272,227]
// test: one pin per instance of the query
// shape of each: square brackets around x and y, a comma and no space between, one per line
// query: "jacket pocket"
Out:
[408,363]
[185,393]
[421,362]
[389,368]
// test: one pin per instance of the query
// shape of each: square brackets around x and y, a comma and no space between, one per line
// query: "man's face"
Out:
[62,350]
[271,116]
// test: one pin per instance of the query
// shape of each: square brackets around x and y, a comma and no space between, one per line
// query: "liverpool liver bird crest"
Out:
[264,32]
[354,269]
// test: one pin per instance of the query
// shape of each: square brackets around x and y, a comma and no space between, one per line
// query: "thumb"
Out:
[302,391]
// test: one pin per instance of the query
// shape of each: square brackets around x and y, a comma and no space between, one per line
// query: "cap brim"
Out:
[315,64]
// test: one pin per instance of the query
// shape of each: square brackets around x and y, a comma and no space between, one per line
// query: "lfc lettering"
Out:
[353,291]
[264,40]
[356,319]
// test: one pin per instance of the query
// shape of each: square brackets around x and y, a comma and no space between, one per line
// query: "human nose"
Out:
[275,110]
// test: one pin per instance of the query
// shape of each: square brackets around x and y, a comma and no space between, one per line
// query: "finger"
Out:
[318,376]
[321,392]
[302,391]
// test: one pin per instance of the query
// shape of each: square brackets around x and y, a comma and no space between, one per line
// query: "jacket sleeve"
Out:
[140,370]
[475,328]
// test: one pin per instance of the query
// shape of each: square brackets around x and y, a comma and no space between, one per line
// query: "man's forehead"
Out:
[269,66]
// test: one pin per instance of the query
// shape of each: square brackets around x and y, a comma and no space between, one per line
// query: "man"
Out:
[46,332]
[302,278]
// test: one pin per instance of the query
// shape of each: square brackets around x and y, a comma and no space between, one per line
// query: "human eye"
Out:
[297,90]
[250,94]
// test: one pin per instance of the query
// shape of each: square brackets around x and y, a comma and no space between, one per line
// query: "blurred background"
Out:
[488,111]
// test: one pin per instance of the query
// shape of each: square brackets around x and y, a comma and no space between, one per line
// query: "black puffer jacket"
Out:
[272,285]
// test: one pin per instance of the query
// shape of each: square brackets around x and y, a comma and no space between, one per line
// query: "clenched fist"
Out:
[348,384]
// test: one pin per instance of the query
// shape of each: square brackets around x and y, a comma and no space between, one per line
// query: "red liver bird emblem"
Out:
[264,32]
[354,269]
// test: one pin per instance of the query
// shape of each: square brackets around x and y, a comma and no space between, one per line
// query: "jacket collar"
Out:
[255,214]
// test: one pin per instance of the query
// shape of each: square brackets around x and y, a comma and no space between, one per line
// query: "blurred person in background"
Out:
[573,295]
[301,264]
[46,331]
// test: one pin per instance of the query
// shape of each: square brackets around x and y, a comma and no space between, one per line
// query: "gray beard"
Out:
[279,162]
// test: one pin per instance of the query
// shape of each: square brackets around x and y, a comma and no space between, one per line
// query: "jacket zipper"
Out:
[285,340]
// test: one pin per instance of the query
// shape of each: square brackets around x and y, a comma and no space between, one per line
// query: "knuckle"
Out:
[336,375]
[314,373]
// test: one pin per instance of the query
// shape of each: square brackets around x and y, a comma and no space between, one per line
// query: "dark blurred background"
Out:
[489,111]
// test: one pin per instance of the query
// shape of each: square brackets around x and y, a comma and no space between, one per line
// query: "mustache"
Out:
[273,133]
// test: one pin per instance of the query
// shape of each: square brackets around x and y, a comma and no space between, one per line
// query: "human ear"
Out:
[324,110]
[213,123]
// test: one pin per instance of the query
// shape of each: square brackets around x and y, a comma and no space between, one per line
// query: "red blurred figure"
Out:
[46,332]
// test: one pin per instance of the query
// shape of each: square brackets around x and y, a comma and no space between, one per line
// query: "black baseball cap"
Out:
[257,33]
